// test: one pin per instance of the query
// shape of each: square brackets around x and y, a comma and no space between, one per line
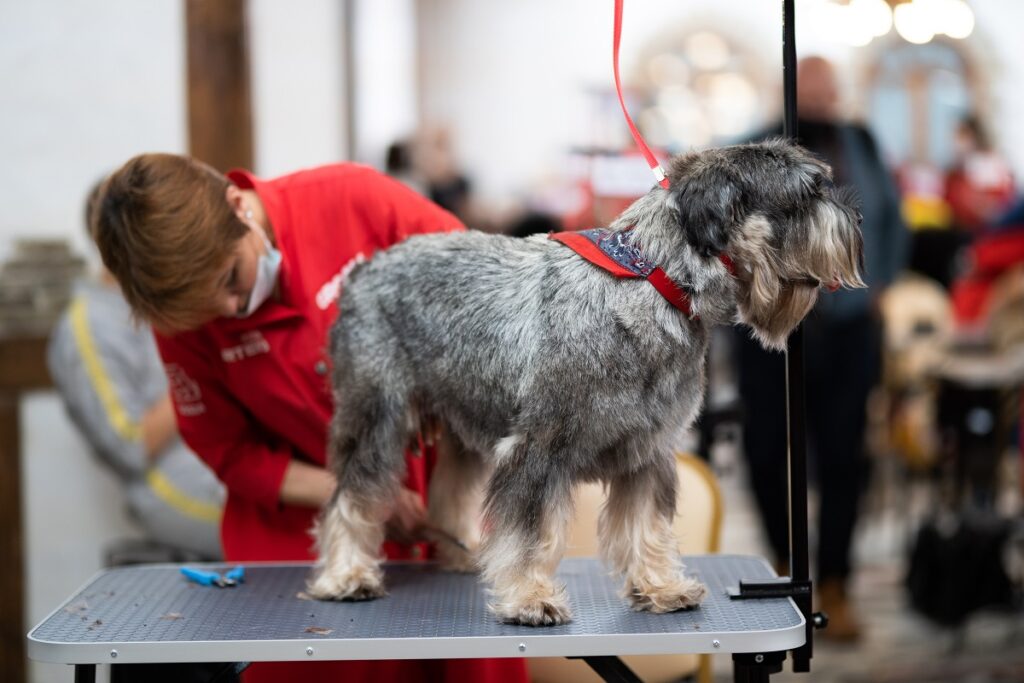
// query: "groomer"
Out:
[239,277]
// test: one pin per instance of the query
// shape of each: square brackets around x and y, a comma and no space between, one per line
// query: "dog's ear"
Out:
[706,204]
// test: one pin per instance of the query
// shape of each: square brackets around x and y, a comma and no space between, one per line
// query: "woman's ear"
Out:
[236,200]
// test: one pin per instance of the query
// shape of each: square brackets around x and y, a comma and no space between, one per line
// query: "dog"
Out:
[548,371]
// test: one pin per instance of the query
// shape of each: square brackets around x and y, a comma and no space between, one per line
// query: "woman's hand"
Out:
[312,486]
[306,485]
[408,518]
[159,427]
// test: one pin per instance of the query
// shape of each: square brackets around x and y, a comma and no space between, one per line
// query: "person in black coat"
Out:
[842,356]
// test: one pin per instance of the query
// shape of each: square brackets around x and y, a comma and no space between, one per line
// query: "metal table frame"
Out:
[151,614]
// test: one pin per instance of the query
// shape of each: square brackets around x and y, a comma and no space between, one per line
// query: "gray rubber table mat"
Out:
[152,614]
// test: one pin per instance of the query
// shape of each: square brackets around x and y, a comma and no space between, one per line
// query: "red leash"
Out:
[652,161]
[603,248]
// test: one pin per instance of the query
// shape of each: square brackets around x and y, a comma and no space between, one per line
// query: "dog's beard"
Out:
[774,303]
[834,248]
[773,323]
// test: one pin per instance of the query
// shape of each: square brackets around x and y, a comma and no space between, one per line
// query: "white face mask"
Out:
[266,274]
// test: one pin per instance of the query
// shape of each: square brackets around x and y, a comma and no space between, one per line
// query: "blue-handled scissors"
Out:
[208,578]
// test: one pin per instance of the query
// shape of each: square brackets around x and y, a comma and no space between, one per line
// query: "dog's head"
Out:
[772,209]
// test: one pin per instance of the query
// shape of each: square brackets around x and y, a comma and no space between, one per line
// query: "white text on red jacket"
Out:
[330,290]
[252,344]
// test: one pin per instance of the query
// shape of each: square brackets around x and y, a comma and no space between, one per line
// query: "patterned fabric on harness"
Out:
[615,247]
[611,251]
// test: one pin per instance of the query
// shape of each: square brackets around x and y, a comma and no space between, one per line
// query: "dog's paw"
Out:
[682,594]
[539,612]
[353,585]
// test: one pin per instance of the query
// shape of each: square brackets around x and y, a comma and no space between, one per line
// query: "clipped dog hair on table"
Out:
[548,371]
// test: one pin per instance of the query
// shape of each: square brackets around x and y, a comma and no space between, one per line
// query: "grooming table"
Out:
[151,614]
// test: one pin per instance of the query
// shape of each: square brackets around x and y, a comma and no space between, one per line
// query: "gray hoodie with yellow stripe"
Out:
[108,371]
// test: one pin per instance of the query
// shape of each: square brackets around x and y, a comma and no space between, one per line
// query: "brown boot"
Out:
[842,622]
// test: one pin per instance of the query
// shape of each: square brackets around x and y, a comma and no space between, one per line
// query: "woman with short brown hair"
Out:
[166,228]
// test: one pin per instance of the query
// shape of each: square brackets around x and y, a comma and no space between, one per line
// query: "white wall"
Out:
[385,75]
[510,78]
[997,39]
[297,84]
[86,85]
[89,83]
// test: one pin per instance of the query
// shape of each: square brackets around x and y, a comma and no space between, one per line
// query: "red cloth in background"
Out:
[979,190]
[990,257]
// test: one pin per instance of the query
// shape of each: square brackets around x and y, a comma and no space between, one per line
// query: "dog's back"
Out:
[474,323]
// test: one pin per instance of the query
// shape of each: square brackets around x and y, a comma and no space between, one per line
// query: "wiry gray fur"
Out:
[502,337]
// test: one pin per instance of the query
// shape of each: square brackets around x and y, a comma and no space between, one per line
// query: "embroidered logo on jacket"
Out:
[185,391]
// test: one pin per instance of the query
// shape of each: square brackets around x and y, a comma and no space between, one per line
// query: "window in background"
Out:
[918,94]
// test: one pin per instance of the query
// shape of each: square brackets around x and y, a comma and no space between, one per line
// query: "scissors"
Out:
[228,579]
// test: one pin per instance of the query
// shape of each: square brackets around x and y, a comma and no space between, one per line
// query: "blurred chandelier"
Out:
[858,22]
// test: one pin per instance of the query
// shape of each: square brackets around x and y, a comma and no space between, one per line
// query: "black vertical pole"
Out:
[795,400]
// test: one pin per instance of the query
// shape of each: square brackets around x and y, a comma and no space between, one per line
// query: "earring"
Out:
[248,213]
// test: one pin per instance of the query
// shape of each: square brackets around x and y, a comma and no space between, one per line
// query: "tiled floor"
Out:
[898,645]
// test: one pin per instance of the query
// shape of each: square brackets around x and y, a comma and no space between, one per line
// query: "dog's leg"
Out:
[527,513]
[367,457]
[348,538]
[453,507]
[636,538]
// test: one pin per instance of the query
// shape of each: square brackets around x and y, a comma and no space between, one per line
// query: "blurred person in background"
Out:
[842,358]
[979,185]
[109,375]
[240,276]
[446,184]
[426,163]
[990,215]
[398,164]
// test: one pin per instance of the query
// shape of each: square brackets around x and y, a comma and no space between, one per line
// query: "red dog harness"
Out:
[608,250]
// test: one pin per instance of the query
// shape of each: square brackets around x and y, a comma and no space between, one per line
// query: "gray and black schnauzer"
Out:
[548,371]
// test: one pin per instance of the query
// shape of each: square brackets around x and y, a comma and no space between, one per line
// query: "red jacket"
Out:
[253,393]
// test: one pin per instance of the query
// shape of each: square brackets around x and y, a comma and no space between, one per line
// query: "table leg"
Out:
[85,673]
[611,669]
[756,668]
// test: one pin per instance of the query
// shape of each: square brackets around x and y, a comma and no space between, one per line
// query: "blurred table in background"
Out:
[35,287]
[979,403]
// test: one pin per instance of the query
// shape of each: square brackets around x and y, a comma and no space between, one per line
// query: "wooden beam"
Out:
[219,99]
[12,603]
[22,368]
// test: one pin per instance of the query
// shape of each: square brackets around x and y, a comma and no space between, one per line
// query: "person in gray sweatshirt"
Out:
[108,372]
